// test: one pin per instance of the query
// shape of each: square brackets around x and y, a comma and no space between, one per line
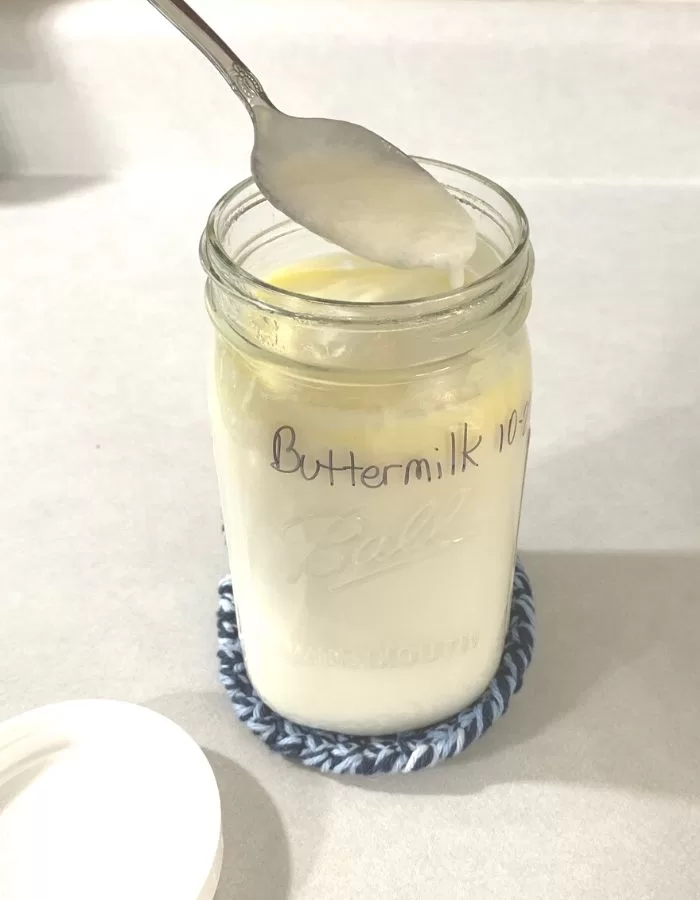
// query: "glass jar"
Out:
[370,458]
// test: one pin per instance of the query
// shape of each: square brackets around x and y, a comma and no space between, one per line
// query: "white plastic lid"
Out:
[102,799]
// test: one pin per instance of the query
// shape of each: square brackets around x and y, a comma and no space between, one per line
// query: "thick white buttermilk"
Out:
[371,523]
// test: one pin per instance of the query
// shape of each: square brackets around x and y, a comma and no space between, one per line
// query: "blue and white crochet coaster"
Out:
[406,751]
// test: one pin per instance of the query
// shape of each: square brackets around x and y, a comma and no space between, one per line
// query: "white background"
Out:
[115,140]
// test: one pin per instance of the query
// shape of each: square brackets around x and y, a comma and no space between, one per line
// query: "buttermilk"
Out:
[342,466]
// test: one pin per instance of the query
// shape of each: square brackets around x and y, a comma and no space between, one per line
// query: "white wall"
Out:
[94,87]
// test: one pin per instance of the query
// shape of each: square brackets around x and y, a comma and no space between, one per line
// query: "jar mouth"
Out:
[230,273]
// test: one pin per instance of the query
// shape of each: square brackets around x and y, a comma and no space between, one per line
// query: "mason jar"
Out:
[370,458]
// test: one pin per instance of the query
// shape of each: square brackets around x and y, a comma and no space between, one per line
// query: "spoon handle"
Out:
[245,85]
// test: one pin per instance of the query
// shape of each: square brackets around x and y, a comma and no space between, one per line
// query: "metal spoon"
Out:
[338,179]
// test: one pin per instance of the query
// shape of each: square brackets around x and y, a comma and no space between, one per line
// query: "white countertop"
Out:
[111,549]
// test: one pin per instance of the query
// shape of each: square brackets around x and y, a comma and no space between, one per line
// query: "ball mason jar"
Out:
[370,458]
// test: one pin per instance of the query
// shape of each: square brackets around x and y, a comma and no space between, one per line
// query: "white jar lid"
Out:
[102,799]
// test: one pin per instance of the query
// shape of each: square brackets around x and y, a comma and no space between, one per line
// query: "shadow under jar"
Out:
[370,457]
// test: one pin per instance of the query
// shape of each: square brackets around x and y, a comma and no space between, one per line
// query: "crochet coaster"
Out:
[404,752]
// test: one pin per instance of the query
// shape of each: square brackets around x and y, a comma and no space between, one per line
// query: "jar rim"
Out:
[216,260]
